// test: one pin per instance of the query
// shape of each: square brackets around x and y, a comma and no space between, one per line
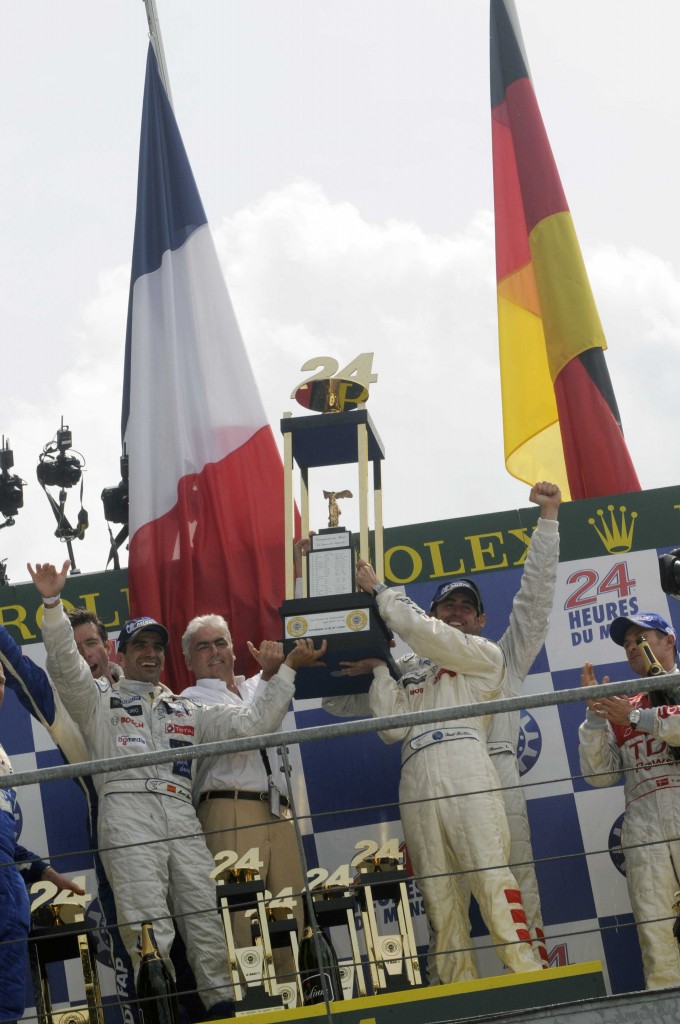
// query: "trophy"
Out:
[58,933]
[329,607]
[392,959]
[250,967]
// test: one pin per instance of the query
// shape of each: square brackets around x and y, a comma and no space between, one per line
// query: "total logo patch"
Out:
[183,730]
[529,743]
[614,843]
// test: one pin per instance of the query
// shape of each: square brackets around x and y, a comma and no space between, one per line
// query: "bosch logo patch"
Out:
[126,720]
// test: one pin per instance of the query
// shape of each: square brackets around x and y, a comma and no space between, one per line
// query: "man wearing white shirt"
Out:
[241,798]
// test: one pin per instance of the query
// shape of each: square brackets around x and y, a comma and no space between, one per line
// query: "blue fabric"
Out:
[14,921]
[14,913]
[169,208]
[32,687]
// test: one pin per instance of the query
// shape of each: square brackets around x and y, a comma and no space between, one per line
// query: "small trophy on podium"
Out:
[329,607]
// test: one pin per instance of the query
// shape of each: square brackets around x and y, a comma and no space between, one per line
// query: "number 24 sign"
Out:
[615,581]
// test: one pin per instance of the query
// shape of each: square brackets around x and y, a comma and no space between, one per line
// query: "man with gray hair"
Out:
[241,798]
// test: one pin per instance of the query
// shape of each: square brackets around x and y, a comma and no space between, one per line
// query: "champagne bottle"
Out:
[155,988]
[654,668]
[317,964]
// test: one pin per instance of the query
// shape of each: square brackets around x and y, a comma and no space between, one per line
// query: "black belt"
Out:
[239,794]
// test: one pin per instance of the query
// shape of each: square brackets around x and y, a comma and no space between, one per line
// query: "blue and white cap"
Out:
[134,626]
[445,589]
[644,620]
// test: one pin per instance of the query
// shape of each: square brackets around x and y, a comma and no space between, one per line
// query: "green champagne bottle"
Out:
[317,964]
[155,988]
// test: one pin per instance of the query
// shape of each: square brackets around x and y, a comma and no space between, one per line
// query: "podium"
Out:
[392,959]
[54,944]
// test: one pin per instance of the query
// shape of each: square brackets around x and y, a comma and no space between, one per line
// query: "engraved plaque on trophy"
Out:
[329,607]
[330,562]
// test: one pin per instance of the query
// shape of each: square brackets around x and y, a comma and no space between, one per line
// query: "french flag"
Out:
[205,475]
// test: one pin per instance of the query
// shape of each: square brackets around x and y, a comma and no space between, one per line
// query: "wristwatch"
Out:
[634,716]
[378,588]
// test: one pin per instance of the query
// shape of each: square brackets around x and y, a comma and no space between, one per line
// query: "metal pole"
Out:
[157,43]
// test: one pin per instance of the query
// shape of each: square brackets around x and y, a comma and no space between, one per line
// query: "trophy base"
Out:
[353,629]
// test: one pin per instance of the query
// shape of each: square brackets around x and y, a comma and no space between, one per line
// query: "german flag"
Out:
[560,417]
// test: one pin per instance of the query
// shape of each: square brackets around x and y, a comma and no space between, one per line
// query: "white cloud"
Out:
[313,277]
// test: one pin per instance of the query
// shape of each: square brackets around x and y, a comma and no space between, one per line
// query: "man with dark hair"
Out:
[457,603]
[93,643]
[35,693]
[147,809]
[637,736]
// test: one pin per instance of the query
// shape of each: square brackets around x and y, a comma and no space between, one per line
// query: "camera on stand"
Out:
[116,500]
[56,468]
[11,486]
[669,573]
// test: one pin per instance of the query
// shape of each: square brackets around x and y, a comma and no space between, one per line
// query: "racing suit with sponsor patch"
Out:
[651,826]
[150,839]
[521,643]
[35,692]
[451,808]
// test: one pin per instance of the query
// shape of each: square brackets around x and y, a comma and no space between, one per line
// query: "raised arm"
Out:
[270,704]
[433,639]
[531,607]
[70,673]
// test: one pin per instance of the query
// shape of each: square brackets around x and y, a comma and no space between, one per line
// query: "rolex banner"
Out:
[346,789]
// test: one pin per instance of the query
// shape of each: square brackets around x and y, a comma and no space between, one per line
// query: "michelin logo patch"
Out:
[529,744]
[614,843]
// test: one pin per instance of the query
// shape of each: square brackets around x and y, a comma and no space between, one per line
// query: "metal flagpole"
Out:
[157,43]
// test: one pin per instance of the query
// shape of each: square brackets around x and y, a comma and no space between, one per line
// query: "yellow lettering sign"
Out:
[416,563]
[15,615]
[480,551]
[438,562]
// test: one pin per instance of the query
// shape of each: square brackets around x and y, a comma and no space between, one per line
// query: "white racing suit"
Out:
[521,643]
[451,809]
[652,821]
[142,810]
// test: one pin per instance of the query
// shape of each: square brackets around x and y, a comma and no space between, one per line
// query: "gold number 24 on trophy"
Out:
[359,370]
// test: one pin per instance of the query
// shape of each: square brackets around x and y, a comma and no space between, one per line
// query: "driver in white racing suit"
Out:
[144,810]
[452,812]
[521,644]
[638,736]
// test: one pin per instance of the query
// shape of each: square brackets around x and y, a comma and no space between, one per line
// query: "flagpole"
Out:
[157,43]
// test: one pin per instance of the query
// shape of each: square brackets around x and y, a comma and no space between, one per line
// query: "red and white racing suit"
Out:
[150,839]
[451,809]
[521,643]
[651,826]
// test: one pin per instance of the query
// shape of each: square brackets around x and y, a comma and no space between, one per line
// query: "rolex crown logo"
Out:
[617,537]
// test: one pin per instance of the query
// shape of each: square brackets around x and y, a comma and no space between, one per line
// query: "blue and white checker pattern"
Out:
[350,785]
